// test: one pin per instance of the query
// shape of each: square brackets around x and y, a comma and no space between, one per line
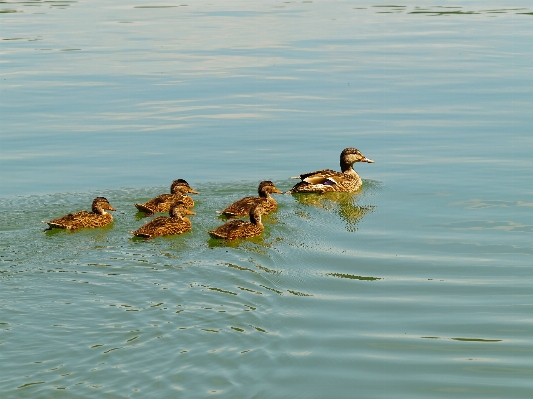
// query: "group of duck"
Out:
[178,203]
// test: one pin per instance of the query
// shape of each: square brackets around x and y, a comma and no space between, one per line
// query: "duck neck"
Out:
[346,167]
[255,218]
[175,213]
[99,211]
[178,190]
[264,194]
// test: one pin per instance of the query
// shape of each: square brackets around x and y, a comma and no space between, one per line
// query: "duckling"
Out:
[97,218]
[178,190]
[328,180]
[176,223]
[242,207]
[239,228]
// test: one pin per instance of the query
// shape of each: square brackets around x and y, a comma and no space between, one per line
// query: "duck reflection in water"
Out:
[344,204]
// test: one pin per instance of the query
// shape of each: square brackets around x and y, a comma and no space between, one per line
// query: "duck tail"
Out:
[49,227]
[214,234]
[142,235]
[143,208]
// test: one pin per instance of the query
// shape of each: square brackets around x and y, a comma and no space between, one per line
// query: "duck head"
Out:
[101,205]
[255,214]
[178,209]
[183,186]
[349,156]
[266,188]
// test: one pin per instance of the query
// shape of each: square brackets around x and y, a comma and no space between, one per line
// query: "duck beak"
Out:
[193,191]
[275,190]
[365,159]
[188,212]
[111,208]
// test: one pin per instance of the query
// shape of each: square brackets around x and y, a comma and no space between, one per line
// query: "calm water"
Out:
[419,286]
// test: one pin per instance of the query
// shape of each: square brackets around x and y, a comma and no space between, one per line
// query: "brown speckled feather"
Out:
[323,183]
[178,190]
[167,225]
[81,219]
[316,172]
[97,218]
[243,206]
[162,203]
[164,226]
[239,228]
[327,180]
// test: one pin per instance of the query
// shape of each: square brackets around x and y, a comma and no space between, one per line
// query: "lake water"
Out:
[418,286]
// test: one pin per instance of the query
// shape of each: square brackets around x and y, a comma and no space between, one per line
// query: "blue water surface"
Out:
[418,286]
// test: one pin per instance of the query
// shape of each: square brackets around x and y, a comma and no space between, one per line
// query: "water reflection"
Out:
[466,339]
[344,204]
[353,277]
[256,244]
[35,3]
[444,10]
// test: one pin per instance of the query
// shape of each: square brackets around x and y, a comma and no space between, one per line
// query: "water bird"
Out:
[327,180]
[239,228]
[178,192]
[175,223]
[242,207]
[97,218]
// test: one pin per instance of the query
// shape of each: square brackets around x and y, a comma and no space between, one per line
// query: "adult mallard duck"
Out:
[242,207]
[176,223]
[178,192]
[239,228]
[97,218]
[328,180]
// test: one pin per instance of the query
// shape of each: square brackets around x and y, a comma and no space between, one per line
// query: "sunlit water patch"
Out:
[323,285]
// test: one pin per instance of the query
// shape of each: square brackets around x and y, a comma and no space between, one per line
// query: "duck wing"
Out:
[241,207]
[226,229]
[326,177]
[163,226]
[148,229]
[173,226]
[161,203]
[316,173]
[245,230]
[72,220]
[323,181]
[161,199]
